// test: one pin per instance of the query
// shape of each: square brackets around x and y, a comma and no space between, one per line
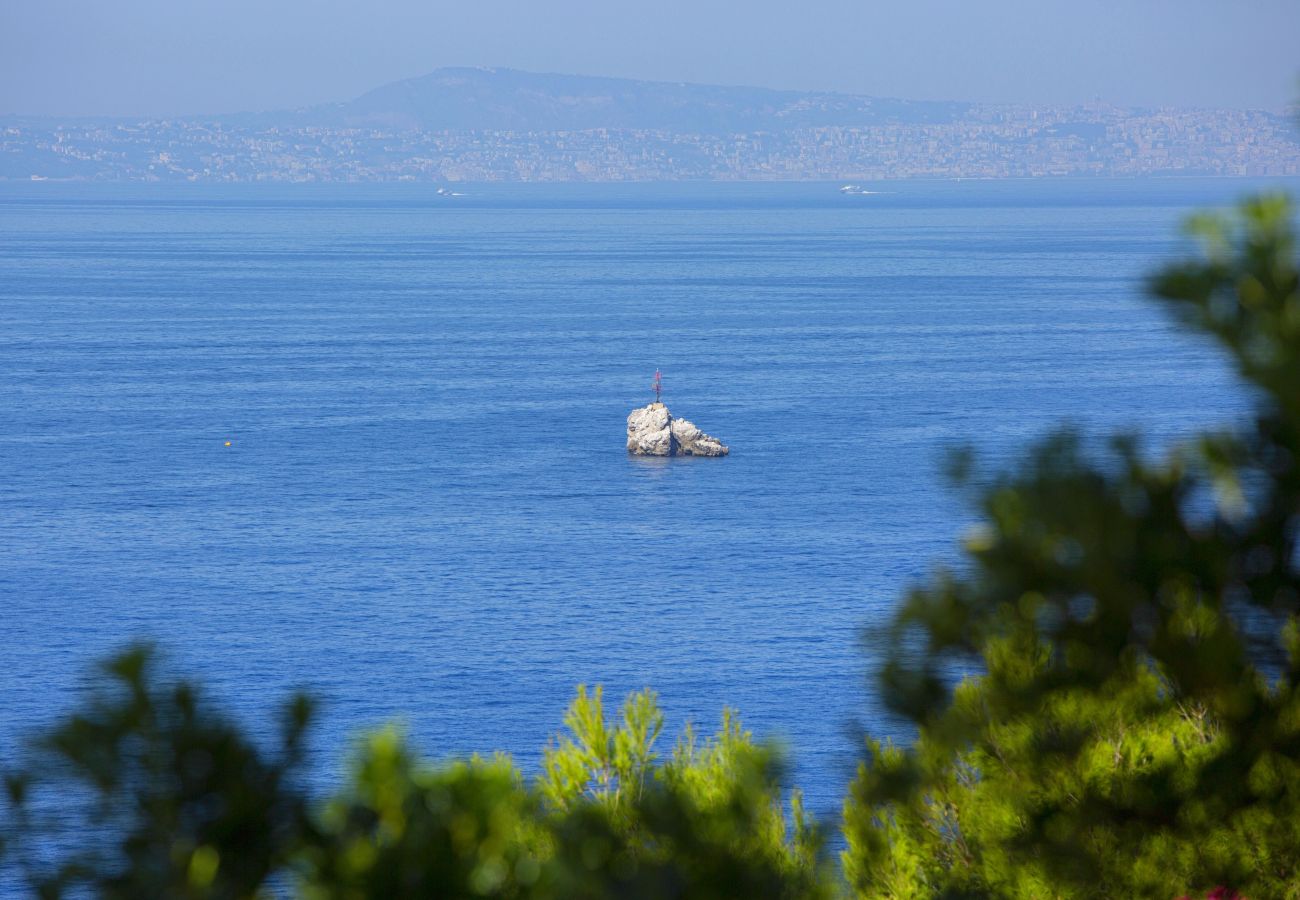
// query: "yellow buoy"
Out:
[227,443]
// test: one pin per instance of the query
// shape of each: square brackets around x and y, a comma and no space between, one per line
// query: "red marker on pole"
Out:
[658,385]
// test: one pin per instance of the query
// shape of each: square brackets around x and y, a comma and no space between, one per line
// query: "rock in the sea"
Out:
[653,431]
[649,431]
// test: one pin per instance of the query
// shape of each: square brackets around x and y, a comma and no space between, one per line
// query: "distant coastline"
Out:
[499,125]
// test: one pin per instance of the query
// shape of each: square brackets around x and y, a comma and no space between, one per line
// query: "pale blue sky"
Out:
[184,56]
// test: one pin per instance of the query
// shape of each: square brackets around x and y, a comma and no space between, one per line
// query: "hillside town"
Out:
[982,142]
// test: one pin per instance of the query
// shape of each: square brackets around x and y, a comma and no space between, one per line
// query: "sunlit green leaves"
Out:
[168,799]
[1134,730]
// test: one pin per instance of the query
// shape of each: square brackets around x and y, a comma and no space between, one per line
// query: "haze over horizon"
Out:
[151,58]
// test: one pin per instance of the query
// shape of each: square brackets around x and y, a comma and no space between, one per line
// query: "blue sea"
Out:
[426,512]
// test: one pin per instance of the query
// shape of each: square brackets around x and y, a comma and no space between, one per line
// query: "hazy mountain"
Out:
[457,99]
[465,125]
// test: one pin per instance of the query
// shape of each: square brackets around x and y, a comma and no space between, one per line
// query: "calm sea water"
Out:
[427,513]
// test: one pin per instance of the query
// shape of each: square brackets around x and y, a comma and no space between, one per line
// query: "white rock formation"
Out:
[653,431]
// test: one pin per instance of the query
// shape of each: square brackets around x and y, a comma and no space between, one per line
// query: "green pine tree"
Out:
[1135,729]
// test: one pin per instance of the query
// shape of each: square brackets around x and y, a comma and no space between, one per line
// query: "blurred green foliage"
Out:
[1106,700]
[148,792]
[1135,727]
